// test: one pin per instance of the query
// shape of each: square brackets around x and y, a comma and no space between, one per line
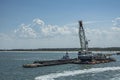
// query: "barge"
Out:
[70,61]
[84,59]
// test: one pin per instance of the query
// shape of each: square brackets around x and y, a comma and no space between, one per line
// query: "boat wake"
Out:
[53,76]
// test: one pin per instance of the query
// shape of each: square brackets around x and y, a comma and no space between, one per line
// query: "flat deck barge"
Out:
[68,61]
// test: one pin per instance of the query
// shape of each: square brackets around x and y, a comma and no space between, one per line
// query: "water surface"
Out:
[11,68]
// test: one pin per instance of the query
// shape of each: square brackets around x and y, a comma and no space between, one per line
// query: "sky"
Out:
[26,24]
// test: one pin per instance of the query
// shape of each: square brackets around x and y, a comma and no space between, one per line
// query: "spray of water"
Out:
[53,76]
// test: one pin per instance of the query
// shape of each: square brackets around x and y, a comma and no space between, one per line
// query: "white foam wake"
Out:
[53,76]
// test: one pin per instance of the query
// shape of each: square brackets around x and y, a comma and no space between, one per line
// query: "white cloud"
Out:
[56,30]
[103,38]
[25,32]
[116,29]
[38,29]
[116,22]
[38,21]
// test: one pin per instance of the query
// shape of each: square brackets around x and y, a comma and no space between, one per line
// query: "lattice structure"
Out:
[82,37]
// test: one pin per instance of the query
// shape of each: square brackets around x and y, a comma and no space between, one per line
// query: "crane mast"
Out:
[82,37]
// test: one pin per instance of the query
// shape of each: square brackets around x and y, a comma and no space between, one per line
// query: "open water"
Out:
[11,68]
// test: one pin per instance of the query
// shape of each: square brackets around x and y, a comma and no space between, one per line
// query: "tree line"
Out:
[65,49]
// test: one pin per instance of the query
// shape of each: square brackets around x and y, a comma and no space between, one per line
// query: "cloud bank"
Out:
[38,29]
[39,34]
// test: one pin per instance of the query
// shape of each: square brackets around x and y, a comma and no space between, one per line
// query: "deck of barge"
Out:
[49,63]
[69,61]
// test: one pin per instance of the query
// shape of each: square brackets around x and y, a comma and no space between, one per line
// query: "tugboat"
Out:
[66,57]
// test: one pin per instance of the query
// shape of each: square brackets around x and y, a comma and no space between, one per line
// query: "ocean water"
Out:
[11,68]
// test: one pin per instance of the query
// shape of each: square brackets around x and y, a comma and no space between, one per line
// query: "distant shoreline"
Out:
[65,49]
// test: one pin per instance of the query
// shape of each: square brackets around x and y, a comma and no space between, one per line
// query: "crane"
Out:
[83,54]
[82,37]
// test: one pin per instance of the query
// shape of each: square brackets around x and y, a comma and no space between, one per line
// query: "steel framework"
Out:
[82,37]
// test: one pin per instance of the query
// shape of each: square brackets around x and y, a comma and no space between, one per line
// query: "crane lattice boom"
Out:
[82,37]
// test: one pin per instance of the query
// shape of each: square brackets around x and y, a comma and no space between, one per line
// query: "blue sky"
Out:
[37,23]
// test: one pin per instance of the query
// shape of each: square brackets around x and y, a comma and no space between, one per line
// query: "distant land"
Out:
[65,49]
